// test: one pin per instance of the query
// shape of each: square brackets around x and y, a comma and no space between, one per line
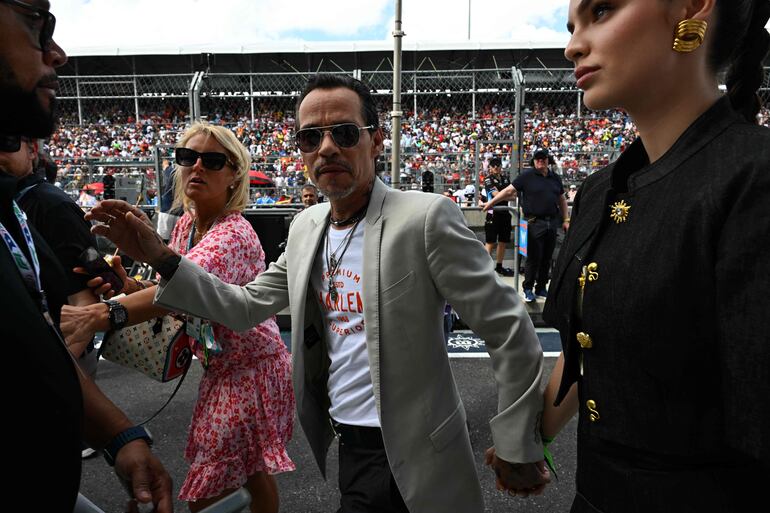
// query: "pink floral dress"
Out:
[245,410]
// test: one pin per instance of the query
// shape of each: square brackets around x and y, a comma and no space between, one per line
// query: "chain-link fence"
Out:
[446,112]
[580,141]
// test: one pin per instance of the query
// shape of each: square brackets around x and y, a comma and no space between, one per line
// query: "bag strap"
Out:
[176,389]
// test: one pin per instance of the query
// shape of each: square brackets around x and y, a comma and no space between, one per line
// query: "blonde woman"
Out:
[244,413]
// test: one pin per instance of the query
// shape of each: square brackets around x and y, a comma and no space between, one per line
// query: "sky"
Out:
[88,24]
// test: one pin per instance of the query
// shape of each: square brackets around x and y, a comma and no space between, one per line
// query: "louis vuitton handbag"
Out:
[157,348]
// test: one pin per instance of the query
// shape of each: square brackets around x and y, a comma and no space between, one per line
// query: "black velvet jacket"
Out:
[678,305]
[42,397]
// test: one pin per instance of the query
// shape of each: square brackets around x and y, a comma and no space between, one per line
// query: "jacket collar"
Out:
[8,184]
[30,179]
[633,165]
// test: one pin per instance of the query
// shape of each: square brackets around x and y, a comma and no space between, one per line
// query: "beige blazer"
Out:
[418,253]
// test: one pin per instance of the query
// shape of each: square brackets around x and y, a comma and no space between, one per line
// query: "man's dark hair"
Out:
[330,81]
[495,162]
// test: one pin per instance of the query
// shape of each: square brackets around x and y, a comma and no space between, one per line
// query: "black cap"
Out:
[495,162]
[540,154]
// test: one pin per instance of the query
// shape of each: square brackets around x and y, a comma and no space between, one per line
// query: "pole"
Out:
[395,115]
[469,20]
[518,83]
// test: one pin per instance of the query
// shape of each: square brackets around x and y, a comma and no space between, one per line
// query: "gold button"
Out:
[584,339]
[593,412]
[592,271]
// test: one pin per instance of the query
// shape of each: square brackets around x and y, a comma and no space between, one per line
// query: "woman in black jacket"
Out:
[661,289]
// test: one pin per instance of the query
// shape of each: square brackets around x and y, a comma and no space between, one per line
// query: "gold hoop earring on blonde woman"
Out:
[689,35]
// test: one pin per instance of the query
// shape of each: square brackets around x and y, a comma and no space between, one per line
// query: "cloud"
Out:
[491,20]
[179,23]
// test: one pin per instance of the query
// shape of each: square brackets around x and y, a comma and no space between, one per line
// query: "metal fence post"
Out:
[80,101]
[518,84]
[136,100]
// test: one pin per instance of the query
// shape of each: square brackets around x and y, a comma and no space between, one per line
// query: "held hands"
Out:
[519,479]
[130,230]
[144,476]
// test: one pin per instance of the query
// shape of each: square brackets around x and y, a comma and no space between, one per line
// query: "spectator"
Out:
[108,180]
[427,180]
[309,195]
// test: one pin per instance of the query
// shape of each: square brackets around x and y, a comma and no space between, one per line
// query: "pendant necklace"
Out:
[334,258]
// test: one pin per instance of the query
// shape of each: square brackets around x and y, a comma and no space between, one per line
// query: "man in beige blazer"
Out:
[366,278]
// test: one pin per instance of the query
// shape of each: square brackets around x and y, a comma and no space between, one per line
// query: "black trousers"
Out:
[365,480]
[541,241]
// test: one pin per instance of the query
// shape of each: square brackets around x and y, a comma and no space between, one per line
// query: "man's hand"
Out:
[130,230]
[79,324]
[144,476]
[519,479]
[103,288]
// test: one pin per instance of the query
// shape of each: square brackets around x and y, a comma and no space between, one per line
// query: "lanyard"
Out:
[192,237]
[198,329]
[30,273]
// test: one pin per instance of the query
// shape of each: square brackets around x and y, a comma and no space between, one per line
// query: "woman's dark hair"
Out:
[331,81]
[742,42]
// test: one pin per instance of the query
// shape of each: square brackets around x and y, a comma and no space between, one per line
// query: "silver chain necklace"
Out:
[333,261]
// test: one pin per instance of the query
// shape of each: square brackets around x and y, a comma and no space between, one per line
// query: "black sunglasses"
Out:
[47,20]
[10,143]
[345,135]
[212,160]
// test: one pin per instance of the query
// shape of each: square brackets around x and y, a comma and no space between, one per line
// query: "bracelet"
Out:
[548,456]
[566,220]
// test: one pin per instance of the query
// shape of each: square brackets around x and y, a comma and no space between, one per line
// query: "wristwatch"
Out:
[118,314]
[128,435]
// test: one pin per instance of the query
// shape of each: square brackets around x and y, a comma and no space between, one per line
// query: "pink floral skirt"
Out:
[241,424]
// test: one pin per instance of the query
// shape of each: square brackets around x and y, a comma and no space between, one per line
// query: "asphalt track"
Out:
[304,490]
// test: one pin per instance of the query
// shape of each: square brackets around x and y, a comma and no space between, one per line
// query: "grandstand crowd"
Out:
[442,140]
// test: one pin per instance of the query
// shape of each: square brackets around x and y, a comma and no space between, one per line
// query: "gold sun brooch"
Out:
[619,211]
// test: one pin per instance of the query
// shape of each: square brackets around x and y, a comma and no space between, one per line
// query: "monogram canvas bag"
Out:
[157,348]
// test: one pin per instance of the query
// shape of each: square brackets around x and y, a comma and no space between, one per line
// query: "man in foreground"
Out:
[366,277]
[53,404]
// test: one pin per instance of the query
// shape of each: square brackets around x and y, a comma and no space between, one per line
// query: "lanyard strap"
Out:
[30,273]
[192,237]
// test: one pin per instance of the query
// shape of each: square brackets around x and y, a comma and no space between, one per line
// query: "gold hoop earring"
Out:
[689,35]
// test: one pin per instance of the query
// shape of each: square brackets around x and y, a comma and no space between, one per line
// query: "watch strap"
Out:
[116,323]
[110,451]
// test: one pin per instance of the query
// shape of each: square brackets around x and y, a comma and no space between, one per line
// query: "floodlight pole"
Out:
[396,113]
[469,20]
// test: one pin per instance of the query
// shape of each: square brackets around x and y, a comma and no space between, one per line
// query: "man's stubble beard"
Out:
[337,195]
[20,110]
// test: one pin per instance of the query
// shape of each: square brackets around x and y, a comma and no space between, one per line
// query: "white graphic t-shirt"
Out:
[350,383]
